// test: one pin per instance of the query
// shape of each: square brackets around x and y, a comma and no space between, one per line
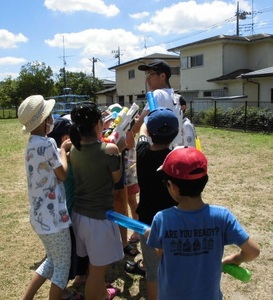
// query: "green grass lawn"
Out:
[240,178]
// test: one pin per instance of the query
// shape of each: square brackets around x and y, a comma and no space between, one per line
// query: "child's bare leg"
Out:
[55,292]
[151,290]
[34,285]
[95,283]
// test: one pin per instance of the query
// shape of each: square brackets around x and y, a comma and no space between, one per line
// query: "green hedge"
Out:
[246,118]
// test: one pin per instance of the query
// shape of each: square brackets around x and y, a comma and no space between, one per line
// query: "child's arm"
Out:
[143,130]
[61,172]
[249,251]
[113,149]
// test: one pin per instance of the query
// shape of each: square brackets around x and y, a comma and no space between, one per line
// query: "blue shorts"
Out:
[58,251]
[99,239]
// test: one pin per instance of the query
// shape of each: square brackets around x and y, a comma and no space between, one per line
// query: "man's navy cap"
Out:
[161,122]
[159,65]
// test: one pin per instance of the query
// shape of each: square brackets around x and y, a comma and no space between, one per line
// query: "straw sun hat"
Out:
[33,111]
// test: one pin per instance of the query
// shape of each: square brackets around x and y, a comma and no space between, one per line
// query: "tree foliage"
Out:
[79,82]
[35,78]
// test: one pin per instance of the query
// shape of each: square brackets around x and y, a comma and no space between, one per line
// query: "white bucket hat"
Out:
[33,111]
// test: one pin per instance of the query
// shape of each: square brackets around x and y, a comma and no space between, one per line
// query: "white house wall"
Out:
[259,85]
[260,55]
[133,86]
[196,78]
[235,56]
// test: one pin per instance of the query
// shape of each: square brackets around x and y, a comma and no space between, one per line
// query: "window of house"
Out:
[188,62]
[207,93]
[197,61]
[121,100]
[130,99]
[131,74]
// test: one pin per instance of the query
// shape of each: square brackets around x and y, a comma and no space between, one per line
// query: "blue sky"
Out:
[40,30]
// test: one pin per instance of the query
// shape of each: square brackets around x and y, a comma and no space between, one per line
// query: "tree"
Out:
[80,83]
[36,78]
[9,92]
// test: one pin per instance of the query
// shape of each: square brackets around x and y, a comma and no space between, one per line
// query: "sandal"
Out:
[74,296]
[133,267]
[131,250]
[112,293]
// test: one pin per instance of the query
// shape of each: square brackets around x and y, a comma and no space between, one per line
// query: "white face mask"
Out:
[51,126]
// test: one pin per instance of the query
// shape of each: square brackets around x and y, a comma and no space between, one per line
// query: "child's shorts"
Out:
[99,239]
[57,264]
[133,189]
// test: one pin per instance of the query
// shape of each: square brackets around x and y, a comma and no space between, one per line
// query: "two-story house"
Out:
[228,67]
[130,82]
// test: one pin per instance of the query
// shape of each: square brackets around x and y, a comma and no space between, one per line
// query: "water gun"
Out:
[114,124]
[127,222]
[151,101]
[121,124]
[111,116]
[236,271]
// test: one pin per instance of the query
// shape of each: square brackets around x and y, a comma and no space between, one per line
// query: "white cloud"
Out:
[188,16]
[94,6]
[9,60]
[10,40]
[141,15]
[96,41]
[100,43]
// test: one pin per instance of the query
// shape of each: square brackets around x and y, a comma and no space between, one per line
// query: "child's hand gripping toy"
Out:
[121,124]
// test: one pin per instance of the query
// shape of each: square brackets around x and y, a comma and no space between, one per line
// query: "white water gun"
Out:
[122,124]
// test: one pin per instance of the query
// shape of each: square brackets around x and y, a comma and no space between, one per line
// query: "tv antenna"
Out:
[117,54]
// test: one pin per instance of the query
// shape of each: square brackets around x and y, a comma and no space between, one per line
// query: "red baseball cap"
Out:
[185,163]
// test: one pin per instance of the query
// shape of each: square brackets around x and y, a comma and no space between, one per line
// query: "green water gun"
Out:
[237,272]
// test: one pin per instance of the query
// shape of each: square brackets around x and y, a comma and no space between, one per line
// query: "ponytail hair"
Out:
[85,116]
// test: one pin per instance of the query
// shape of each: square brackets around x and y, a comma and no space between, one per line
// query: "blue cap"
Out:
[161,122]
[61,126]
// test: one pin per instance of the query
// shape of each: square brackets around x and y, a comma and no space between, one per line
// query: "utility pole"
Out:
[117,55]
[93,60]
[242,16]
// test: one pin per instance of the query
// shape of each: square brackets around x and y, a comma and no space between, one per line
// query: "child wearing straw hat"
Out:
[46,168]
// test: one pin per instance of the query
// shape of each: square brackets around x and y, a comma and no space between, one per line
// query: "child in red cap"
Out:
[191,236]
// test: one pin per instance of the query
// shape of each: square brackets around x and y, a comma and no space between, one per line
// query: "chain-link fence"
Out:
[235,114]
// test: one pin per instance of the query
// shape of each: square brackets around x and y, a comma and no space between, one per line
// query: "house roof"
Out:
[230,76]
[267,72]
[106,82]
[147,58]
[112,89]
[226,38]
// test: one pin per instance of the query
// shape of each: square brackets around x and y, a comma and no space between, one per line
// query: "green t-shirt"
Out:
[92,170]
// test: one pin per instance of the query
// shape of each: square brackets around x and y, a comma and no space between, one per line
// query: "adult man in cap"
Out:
[158,74]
